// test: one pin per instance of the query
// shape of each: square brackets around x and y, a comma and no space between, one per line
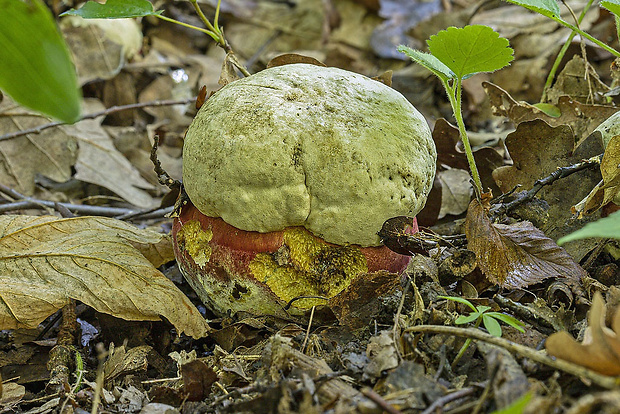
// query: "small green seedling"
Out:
[551,9]
[481,315]
[457,54]
[122,9]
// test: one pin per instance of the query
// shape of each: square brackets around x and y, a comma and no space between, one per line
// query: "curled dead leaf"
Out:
[290,58]
[105,263]
[516,255]
[600,349]
[607,190]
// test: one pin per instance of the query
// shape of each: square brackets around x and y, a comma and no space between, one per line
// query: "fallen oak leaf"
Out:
[516,255]
[45,262]
[600,349]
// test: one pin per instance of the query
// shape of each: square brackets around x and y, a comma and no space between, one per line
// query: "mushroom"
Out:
[290,174]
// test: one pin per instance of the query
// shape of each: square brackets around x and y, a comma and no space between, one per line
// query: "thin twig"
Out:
[108,111]
[537,356]
[440,402]
[25,202]
[561,172]
[379,401]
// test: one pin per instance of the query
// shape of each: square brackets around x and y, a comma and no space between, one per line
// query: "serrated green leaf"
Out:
[471,49]
[493,327]
[114,9]
[548,8]
[429,61]
[36,69]
[508,320]
[460,300]
[462,319]
[608,227]
[612,5]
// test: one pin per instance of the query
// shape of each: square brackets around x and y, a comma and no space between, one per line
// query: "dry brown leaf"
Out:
[291,58]
[100,47]
[46,261]
[608,189]
[516,255]
[50,153]
[456,191]
[229,69]
[582,118]
[99,162]
[600,349]
[537,150]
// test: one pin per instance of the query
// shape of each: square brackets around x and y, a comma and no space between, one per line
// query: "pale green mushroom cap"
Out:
[303,145]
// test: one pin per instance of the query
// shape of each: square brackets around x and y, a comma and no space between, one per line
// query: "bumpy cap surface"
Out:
[303,145]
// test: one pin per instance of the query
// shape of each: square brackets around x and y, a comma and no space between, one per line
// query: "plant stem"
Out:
[200,29]
[465,346]
[212,27]
[454,95]
[587,36]
[561,53]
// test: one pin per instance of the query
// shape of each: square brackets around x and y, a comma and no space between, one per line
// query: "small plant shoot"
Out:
[456,54]
[481,315]
[120,9]
[551,9]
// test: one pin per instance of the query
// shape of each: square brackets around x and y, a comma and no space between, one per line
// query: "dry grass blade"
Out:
[104,263]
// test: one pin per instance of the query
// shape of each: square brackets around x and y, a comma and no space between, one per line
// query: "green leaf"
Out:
[517,407]
[482,309]
[460,300]
[429,61]
[36,69]
[548,8]
[462,319]
[114,9]
[492,325]
[508,320]
[470,50]
[608,227]
[612,5]
[549,109]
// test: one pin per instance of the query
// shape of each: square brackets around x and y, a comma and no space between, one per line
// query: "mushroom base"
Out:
[234,270]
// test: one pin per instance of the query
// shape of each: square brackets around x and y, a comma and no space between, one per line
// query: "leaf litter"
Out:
[366,359]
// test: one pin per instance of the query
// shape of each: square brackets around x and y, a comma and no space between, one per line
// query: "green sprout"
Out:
[457,54]
[122,9]
[481,315]
[551,9]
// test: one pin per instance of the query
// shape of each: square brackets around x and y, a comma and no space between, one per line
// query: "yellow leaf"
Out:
[46,261]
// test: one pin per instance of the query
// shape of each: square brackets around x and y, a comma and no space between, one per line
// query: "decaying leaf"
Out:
[99,162]
[456,191]
[50,153]
[290,58]
[516,255]
[46,261]
[600,349]
[582,118]
[537,149]
[606,190]
[229,69]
